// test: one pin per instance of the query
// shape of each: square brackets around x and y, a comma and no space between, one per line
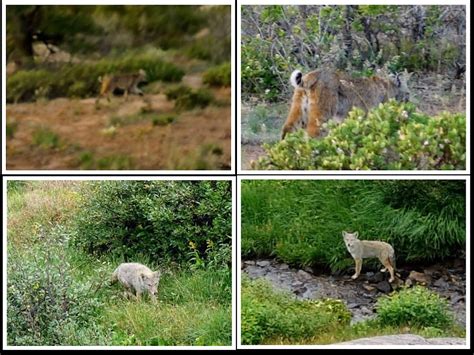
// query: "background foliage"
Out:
[358,38]
[300,222]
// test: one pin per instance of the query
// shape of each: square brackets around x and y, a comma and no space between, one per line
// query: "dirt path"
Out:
[197,139]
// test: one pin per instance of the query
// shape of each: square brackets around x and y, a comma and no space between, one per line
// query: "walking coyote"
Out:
[127,83]
[137,277]
[360,249]
[321,94]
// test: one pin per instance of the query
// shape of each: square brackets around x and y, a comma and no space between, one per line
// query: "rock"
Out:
[283,267]
[408,282]
[300,290]
[419,277]
[297,283]
[374,277]
[255,271]
[303,275]
[353,305]
[434,271]
[309,270]
[455,299]
[404,339]
[441,283]
[263,263]
[249,262]
[365,310]
[383,286]
[369,288]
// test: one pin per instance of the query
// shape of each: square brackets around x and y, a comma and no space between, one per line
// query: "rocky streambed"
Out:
[361,295]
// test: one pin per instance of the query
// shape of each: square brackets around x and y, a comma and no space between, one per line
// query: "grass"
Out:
[300,222]
[88,161]
[262,123]
[45,138]
[205,157]
[273,317]
[193,308]
[11,128]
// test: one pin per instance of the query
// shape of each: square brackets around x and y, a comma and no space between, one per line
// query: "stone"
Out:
[408,282]
[369,288]
[374,277]
[404,339]
[455,299]
[297,283]
[300,290]
[249,262]
[284,267]
[255,271]
[303,275]
[419,277]
[383,286]
[353,305]
[309,270]
[263,263]
[441,283]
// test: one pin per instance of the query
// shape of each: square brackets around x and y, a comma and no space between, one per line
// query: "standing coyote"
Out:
[137,277]
[128,83]
[360,249]
[321,94]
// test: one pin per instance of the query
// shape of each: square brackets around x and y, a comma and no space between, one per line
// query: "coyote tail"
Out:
[295,78]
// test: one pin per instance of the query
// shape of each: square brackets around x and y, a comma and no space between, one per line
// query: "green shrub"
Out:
[415,306]
[157,219]
[88,161]
[392,136]
[163,120]
[196,98]
[45,138]
[175,91]
[81,79]
[11,128]
[46,305]
[267,314]
[218,76]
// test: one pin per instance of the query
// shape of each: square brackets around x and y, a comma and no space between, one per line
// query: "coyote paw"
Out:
[383,270]
[354,277]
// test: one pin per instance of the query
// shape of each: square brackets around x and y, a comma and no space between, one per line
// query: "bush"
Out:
[175,91]
[300,222]
[156,219]
[81,79]
[196,98]
[218,76]
[415,306]
[267,314]
[392,136]
[46,305]
[45,138]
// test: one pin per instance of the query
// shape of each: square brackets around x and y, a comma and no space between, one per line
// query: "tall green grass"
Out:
[301,222]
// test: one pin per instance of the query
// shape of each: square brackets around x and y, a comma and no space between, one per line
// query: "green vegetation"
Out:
[163,120]
[277,39]
[87,161]
[11,128]
[59,294]
[45,138]
[392,136]
[206,157]
[415,306]
[187,98]
[218,76]
[268,314]
[80,79]
[276,317]
[300,221]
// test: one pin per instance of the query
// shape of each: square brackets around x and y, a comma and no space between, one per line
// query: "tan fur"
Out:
[361,249]
[332,94]
[128,83]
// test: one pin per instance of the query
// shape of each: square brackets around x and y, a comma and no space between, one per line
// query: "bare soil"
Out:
[84,127]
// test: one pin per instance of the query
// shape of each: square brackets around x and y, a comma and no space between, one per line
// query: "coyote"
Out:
[360,249]
[137,277]
[128,83]
[321,94]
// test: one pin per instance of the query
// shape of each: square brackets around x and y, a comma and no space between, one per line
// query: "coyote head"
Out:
[350,238]
[151,281]
[400,81]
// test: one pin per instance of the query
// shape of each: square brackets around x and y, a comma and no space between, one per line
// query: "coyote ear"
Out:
[356,234]
[344,233]
[157,274]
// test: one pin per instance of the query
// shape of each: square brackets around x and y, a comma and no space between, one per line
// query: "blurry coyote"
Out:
[323,94]
[137,277]
[128,83]
[360,249]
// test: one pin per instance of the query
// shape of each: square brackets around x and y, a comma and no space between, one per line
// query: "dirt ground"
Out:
[196,139]
[432,94]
